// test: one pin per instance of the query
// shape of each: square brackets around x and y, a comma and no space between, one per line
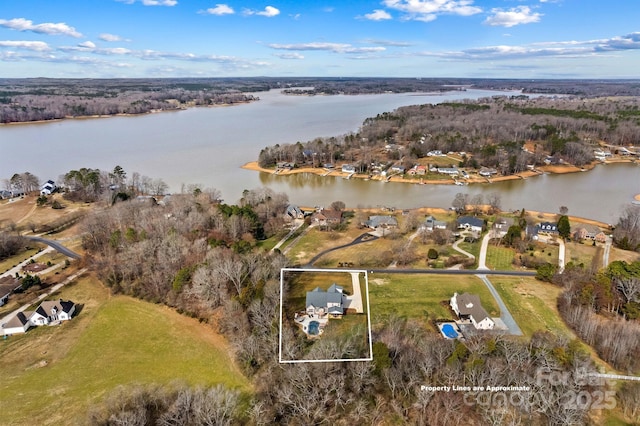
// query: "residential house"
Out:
[397,168]
[470,223]
[451,171]
[435,153]
[532,232]
[430,223]
[294,212]
[348,168]
[321,303]
[486,172]
[468,307]
[588,231]
[376,222]
[547,228]
[4,194]
[327,217]
[502,225]
[48,188]
[18,324]
[51,311]
[418,170]
[284,165]
[7,285]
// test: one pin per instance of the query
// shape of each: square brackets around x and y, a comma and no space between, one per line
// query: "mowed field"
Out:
[423,297]
[52,375]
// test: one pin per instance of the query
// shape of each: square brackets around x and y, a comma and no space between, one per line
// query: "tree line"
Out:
[491,132]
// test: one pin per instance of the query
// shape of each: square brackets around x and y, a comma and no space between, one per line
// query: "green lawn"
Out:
[51,375]
[500,258]
[422,297]
[532,304]
[12,261]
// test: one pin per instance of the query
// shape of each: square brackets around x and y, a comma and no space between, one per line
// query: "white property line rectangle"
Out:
[366,281]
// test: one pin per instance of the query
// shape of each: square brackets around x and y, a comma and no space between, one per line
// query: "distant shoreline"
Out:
[559,169]
[90,117]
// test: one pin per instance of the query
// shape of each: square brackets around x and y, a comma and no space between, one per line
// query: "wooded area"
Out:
[489,132]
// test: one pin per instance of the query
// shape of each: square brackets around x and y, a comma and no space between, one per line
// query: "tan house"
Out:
[588,231]
[468,307]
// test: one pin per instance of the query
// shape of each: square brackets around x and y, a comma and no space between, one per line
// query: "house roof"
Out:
[320,299]
[376,221]
[20,320]
[469,304]
[504,222]
[46,308]
[471,221]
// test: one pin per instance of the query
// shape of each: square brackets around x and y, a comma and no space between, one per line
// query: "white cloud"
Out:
[39,46]
[87,45]
[110,37]
[268,11]
[21,24]
[378,15]
[512,17]
[220,9]
[294,55]
[428,10]
[331,47]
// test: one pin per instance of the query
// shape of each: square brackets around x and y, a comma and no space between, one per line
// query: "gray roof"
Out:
[319,298]
[376,221]
[469,304]
[20,320]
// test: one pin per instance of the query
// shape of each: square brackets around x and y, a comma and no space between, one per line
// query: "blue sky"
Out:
[384,38]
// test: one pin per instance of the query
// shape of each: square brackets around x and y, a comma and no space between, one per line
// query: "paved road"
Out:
[355,300]
[607,251]
[505,315]
[364,238]
[42,296]
[561,255]
[298,224]
[459,250]
[56,246]
[452,272]
[18,268]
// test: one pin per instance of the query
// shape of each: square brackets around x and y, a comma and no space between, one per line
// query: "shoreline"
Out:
[557,169]
[94,116]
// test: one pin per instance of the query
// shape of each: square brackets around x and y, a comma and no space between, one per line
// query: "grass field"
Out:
[314,241]
[12,261]
[302,282]
[500,258]
[51,375]
[422,297]
[583,253]
[532,304]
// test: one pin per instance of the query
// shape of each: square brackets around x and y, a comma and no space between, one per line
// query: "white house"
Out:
[468,307]
[53,310]
[18,324]
[48,187]
[321,303]
[470,223]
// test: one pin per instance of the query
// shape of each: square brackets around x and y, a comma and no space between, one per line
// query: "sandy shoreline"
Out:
[561,169]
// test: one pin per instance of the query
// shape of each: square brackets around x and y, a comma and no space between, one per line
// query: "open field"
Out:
[314,241]
[583,253]
[500,258]
[422,297]
[302,282]
[12,261]
[532,304]
[51,375]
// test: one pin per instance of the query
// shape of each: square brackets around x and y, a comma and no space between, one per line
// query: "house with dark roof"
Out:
[294,212]
[7,285]
[327,217]
[547,228]
[322,303]
[468,307]
[51,311]
[470,223]
[48,188]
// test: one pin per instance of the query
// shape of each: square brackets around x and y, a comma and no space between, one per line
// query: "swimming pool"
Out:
[314,328]
[449,331]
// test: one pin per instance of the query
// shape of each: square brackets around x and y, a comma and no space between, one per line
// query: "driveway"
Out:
[355,300]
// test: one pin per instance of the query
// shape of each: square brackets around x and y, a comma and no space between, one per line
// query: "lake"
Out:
[208,145]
